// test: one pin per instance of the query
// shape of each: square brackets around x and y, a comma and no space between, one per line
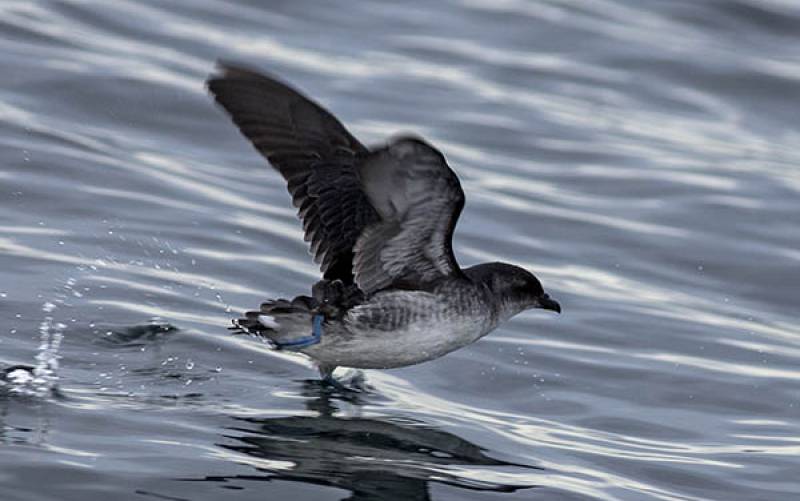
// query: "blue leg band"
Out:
[304,342]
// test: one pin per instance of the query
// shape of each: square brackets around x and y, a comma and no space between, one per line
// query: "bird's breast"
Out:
[404,328]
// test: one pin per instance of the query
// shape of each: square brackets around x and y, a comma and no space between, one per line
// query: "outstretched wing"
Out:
[419,200]
[313,152]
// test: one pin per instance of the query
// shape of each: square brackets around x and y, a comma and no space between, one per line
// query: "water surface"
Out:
[640,157]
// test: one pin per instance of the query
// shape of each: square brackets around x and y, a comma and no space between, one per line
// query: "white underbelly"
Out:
[415,343]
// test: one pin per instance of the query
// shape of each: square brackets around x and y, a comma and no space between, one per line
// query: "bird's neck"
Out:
[507,308]
[502,307]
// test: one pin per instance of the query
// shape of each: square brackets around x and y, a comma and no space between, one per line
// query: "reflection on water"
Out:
[640,156]
[388,459]
[23,419]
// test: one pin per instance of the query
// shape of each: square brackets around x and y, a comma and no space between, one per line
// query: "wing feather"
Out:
[313,152]
[419,199]
[381,218]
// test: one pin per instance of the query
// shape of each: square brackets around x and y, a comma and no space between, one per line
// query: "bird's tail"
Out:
[298,323]
[287,324]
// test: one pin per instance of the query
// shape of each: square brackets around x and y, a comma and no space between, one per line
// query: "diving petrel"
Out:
[380,222]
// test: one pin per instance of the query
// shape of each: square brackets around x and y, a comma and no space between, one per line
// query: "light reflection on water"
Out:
[640,157]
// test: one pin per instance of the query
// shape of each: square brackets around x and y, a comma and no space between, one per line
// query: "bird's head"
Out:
[515,288]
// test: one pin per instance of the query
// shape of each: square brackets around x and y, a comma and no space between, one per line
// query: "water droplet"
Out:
[189,364]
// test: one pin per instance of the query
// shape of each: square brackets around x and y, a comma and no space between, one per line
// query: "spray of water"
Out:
[40,380]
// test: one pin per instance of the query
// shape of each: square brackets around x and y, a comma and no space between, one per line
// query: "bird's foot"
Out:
[337,385]
[353,382]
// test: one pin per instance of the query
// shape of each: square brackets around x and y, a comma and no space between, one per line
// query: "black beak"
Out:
[549,304]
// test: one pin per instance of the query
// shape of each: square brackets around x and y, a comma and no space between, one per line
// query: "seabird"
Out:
[380,224]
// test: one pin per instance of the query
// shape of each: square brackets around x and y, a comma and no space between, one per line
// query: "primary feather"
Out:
[380,218]
[312,151]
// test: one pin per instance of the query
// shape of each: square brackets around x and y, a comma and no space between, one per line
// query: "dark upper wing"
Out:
[419,200]
[312,151]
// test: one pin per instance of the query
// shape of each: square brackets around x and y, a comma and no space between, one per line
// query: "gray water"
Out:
[640,157]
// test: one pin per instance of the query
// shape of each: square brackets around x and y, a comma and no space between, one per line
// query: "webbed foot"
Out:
[335,384]
[353,384]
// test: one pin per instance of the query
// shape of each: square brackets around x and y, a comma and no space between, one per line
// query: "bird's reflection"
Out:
[388,459]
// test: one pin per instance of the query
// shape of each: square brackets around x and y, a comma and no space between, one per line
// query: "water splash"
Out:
[46,370]
[40,380]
